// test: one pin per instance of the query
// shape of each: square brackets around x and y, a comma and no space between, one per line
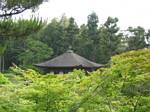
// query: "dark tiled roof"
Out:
[69,59]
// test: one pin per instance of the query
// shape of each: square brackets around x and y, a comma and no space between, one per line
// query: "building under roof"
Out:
[67,62]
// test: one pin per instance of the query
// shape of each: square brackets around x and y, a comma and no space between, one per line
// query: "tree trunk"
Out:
[0,63]
[3,63]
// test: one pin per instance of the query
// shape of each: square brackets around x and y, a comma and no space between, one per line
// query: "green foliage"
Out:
[3,80]
[34,52]
[54,35]
[137,38]
[2,49]
[9,8]
[20,28]
[72,33]
[123,87]
[14,34]
[97,43]
[93,35]
[36,93]
[94,42]
[110,41]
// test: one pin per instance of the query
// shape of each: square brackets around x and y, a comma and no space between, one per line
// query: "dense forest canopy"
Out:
[12,29]
[27,42]
[20,39]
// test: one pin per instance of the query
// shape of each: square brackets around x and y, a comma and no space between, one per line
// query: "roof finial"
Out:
[70,49]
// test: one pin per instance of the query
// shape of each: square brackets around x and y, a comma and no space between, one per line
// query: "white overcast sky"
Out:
[130,12]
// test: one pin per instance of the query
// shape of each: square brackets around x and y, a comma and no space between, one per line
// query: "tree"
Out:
[147,38]
[3,79]
[83,42]
[9,8]
[13,33]
[72,32]
[137,38]
[113,39]
[93,35]
[110,41]
[8,27]
[33,52]
[54,35]
[122,87]
[19,28]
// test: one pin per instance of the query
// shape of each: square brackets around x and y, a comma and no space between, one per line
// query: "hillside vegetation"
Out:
[122,87]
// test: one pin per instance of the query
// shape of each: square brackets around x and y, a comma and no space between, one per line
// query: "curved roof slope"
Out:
[69,59]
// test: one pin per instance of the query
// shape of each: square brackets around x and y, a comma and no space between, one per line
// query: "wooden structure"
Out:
[67,62]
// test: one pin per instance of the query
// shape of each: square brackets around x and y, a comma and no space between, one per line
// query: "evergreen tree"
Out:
[147,38]
[9,8]
[54,35]
[137,38]
[12,32]
[83,42]
[93,35]
[110,41]
[72,32]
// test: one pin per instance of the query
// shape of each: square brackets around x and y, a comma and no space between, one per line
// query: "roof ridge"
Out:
[68,59]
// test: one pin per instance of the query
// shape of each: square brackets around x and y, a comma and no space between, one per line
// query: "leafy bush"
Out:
[3,80]
[124,87]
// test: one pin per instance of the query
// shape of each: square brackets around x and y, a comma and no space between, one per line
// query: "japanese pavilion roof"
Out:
[69,59]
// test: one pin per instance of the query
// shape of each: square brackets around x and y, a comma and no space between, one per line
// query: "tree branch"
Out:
[14,11]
